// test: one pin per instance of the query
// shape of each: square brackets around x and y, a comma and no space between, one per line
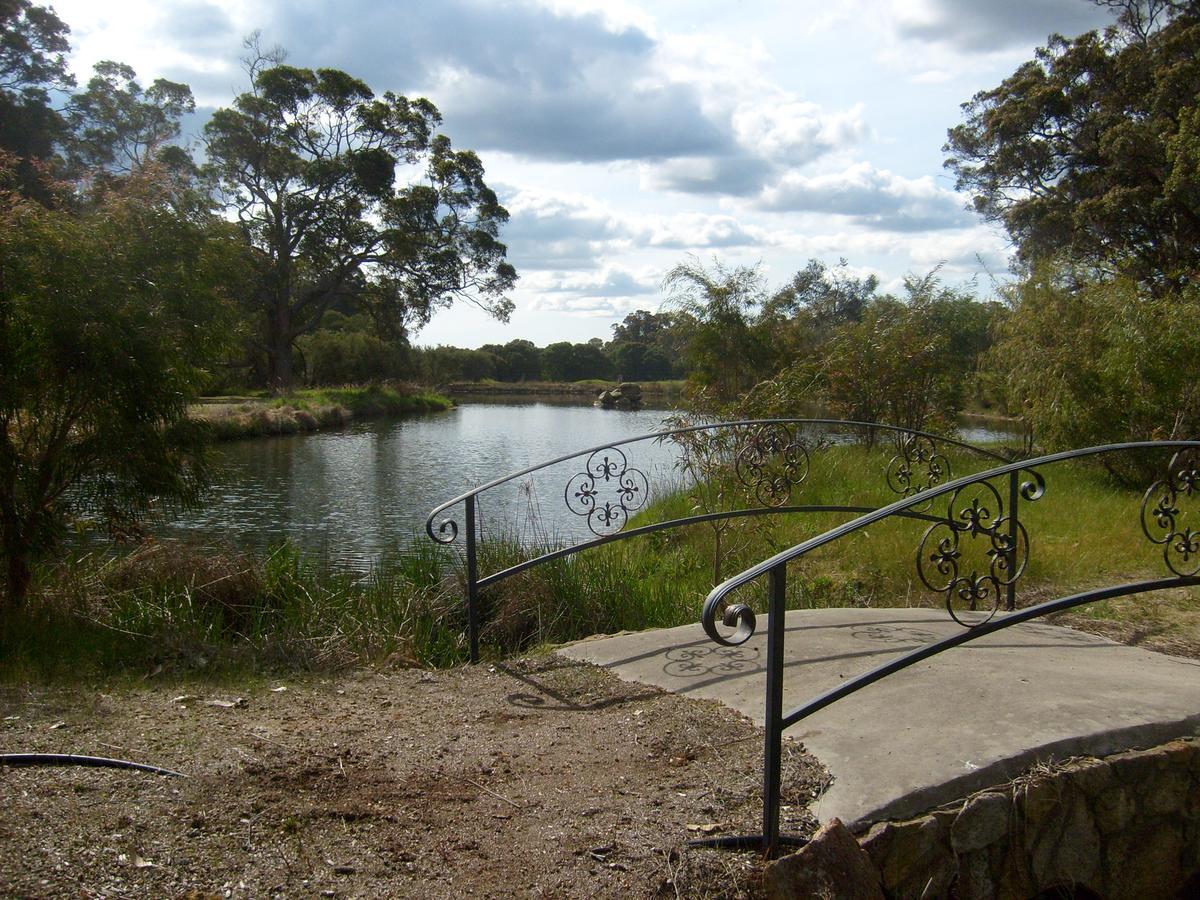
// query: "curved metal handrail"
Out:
[741,617]
[1160,520]
[446,532]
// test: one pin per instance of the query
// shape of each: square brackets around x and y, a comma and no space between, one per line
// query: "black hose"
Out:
[72,759]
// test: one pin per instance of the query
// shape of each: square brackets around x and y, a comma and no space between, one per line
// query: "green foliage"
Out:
[33,48]
[201,609]
[640,362]
[903,362]
[107,322]
[117,127]
[517,360]
[716,306]
[803,314]
[441,365]
[351,357]
[308,160]
[1090,362]
[564,361]
[1090,149]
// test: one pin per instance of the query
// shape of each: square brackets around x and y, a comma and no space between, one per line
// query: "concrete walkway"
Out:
[972,717]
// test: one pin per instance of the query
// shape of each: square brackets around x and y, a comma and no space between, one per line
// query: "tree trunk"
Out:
[19,576]
[279,376]
[279,347]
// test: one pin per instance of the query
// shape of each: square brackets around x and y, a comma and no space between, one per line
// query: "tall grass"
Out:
[181,608]
[188,608]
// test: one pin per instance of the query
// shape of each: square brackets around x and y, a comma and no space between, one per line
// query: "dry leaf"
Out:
[706,828]
[227,704]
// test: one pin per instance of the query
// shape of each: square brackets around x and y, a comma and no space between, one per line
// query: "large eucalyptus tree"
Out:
[348,196]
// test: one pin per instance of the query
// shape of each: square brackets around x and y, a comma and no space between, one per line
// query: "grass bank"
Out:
[314,409]
[177,608]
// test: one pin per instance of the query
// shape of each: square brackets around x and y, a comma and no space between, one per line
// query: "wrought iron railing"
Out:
[975,511]
[770,460]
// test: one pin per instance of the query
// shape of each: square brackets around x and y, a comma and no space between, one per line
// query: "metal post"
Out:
[1014,535]
[773,742]
[472,583]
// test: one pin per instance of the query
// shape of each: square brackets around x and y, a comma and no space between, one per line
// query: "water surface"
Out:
[357,494]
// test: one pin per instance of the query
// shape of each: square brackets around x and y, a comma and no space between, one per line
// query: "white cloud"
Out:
[573,231]
[795,132]
[873,197]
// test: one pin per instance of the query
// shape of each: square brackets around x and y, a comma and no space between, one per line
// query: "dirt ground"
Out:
[532,778]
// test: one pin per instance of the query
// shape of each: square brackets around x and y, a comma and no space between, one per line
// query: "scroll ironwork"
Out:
[770,462]
[917,467]
[975,511]
[606,491]
[1163,514]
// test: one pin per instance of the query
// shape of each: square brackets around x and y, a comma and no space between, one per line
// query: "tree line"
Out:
[645,346]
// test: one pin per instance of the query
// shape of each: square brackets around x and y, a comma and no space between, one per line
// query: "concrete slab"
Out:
[972,717]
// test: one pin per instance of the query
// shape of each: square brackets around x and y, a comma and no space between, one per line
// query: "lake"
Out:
[356,494]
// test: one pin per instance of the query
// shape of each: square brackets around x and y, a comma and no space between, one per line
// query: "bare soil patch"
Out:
[536,777]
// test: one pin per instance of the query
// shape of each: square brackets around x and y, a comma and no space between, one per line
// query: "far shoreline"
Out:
[589,388]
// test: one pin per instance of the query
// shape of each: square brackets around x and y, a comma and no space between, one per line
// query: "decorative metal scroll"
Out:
[446,533]
[606,491]
[917,467]
[943,562]
[1163,514]
[770,462]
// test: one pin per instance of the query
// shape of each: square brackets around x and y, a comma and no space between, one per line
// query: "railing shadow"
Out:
[563,702]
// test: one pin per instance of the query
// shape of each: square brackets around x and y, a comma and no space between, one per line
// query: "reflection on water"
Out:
[356,494]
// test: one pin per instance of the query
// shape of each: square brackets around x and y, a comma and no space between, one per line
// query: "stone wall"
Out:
[1125,826]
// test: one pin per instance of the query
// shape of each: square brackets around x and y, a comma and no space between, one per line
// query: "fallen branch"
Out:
[71,759]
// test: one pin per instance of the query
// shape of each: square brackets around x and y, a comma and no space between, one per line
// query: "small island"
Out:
[626,395]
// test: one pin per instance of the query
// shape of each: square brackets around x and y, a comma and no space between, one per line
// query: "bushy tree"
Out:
[33,48]
[438,365]
[117,127]
[647,346]
[901,361]
[350,357]
[1090,151]
[108,319]
[1089,362]
[640,362]
[308,163]
[564,361]
[716,307]
[518,360]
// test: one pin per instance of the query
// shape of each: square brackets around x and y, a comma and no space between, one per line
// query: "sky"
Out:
[624,136]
